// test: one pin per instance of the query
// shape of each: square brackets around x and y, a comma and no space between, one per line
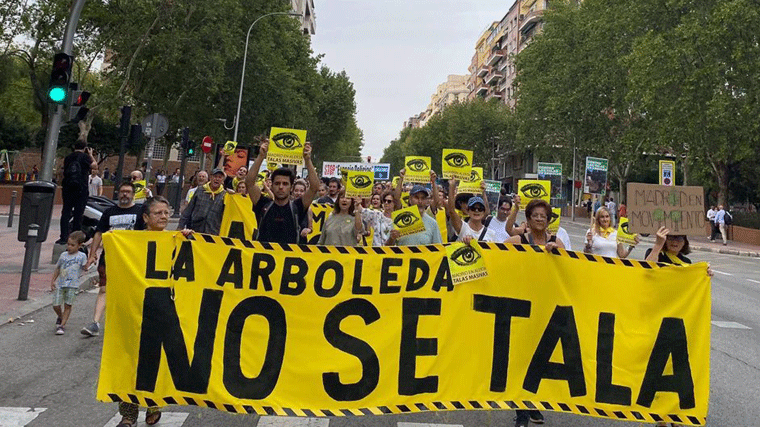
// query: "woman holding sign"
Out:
[475,226]
[537,212]
[601,238]
[344,225]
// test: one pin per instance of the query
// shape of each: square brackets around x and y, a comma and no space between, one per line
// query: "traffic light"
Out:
[185,141]
[77,110]
[126,116]
[135,141]
[59,78]
[190,148]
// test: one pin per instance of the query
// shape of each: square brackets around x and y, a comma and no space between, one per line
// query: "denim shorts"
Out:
[65,296]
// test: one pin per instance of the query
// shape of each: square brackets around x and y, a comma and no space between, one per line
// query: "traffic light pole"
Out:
[54,123]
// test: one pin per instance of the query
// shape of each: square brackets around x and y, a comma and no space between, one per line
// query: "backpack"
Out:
[72,175]
[728,219]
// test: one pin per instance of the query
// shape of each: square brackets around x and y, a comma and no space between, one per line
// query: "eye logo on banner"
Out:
[405,200]
[286,146]
[408,221]
[359,184]
[531,189]
[229,148]
[417,169]
[456,164]
[465,262]
[140,192]
[624,235]
[319,213]
[553,220]
[472,185]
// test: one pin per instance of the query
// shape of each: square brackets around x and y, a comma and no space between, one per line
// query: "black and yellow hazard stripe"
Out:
[466,405]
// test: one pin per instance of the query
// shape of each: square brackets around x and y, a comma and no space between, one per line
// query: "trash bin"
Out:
[36,208]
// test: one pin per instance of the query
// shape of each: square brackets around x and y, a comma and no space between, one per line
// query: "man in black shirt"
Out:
[279,219]
[126,216]
[75,187]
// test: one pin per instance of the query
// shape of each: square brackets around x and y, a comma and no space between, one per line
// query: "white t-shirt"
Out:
[95,184]
[499,229]
[490,236]
[605,246]
[564,237]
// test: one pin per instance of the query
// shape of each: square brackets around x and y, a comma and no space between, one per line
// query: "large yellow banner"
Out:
[335,331]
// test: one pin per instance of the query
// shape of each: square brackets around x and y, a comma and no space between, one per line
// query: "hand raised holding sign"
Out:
[307,151]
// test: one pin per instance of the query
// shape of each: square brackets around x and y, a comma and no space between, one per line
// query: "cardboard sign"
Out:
[624,235]
[286,146]
[680,209]
[417,169]
[456,164]
[408,220]
[472,185]
[531,189]
[465,262]
[359,184]
[553,220]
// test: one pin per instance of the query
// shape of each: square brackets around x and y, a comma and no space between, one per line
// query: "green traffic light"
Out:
[57,94]
[190,151]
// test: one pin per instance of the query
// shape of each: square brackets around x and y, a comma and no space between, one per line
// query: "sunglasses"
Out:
[478,209]
[388,201]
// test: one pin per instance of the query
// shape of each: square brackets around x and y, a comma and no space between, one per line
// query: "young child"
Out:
[65,282]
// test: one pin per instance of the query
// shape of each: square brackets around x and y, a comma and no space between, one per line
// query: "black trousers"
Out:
[715,230]
[74,202]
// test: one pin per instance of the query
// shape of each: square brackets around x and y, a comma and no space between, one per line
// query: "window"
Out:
[159,151]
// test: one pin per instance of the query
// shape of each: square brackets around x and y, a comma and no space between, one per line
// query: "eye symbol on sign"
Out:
[534,191]
[417,165]
[624,227]
[553,217]
[474,176]
[138,187]
[456,160]
[260,178]
[405,220]
[287,141]
[360,181]
[405,198]
[465,256]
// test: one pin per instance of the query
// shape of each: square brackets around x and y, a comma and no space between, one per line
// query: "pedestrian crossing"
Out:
[20,417]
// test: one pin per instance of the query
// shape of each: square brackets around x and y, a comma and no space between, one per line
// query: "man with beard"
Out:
[204,212]
[279,219]
[125,216]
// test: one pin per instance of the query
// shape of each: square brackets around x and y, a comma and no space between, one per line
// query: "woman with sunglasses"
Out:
[601,238]
[475,227]
[381,220]
[537,212]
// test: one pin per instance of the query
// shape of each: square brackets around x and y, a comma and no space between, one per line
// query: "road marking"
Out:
[168,419]
[722,272]
[753,281]
[268,421]
[18,417]
[428,425]
[729,325]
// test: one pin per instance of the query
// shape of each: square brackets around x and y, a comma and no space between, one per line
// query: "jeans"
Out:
[74,202]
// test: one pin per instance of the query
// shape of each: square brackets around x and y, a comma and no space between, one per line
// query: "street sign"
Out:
[667,172]
[155,125]
[207,144]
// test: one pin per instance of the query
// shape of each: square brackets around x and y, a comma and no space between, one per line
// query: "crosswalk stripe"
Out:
[18,417]
[268,421]
[427,425]
[168,419]
[729,325]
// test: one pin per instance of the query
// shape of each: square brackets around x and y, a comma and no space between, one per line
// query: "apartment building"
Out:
[308,19]
[454,89]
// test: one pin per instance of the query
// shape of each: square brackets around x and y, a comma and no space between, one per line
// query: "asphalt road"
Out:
[59,373]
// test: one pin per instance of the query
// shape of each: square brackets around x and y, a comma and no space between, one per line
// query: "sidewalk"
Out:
[701,243]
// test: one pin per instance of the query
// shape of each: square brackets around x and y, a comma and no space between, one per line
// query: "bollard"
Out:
[12,210]
[26,271]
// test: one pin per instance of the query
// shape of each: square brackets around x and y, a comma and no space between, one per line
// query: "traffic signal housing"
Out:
[185,141]
[77,110]
[58,90]
[190,148]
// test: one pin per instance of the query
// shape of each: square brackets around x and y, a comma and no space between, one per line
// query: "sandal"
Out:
[152,416]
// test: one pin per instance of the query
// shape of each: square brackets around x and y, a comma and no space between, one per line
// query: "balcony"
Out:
[483,70]
[493,77]
[530,20]
[495,56]
[482,90]
[493,94]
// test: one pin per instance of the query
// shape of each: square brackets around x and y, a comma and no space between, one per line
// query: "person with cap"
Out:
[204,212]
[419,196]
[475,228]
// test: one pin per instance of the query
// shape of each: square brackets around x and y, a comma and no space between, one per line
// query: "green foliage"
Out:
[747,219]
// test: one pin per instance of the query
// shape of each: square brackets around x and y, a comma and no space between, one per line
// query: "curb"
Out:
[89,280]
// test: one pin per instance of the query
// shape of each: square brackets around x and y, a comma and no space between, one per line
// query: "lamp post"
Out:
[245,57]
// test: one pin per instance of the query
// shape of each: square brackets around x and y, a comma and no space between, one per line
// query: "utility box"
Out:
[36,208]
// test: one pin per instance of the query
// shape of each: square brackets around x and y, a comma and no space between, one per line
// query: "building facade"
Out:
[308,19]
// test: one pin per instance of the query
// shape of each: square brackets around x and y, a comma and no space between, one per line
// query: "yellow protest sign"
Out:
[417,169]
[456,164]
[408,220]
[229,148]
[140,192]
[286,146]
[359,184]
[260,178]
[465,262]
[624,235]
[553,219]
[394,183]
[472,185]
[319,213]
[530,189]
[440,219]
[235,325]
[405,199]
[238,220]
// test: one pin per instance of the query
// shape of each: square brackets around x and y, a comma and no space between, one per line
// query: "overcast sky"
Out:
[396,52]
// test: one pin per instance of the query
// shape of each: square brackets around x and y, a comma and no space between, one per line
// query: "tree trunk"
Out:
[685,163]
[623,182]
[722,174]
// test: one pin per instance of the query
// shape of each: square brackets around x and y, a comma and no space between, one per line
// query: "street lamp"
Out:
[245,57]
